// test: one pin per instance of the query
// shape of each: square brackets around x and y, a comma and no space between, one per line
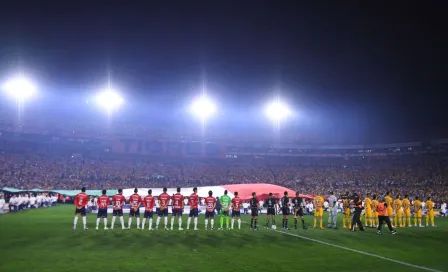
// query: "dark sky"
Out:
[371,69]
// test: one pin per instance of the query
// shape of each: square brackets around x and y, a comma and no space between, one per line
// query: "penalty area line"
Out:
[359,251]
[356,251]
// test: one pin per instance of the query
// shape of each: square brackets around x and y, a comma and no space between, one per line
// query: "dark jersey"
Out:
[253,203]
[285,202]
[271,202]
[297,202]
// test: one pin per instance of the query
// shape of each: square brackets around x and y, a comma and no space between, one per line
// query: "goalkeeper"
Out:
[225,205]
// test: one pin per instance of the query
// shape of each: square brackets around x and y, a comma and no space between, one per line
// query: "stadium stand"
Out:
[49,162]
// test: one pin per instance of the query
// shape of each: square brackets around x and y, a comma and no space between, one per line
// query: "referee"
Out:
[357,215]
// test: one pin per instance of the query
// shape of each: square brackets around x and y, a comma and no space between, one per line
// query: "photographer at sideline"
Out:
[383,216]
[357,203]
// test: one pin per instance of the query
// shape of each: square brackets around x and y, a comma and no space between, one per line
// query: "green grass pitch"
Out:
[43,240]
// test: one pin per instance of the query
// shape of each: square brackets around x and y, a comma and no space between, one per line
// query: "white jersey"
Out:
[2,204]
[332,201]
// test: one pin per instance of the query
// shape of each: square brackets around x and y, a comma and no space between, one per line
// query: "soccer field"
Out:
[43,240]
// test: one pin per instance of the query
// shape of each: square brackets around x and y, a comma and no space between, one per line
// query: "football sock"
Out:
[113,222]
[172,222]
[239,223]
[138,222]
[129,222]
[221,220]
[273,221]
[143,222]
[84,221]
[251,223]
[267,223]
[157,222]
[195,222]
[105,222]
[165,220]
[206,223]
[256,220]
[295,222]
[180,222]
[98,222]
[286,223]
[232,223]
[315,222]
[75,221]
[188,222]
[212,222]
[122,221]
[227,221]
[303,222]
[150,223]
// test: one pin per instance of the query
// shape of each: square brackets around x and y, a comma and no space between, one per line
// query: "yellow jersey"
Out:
[389,201]
[406,204]
[375,205]
[397,204]
[367,203]
[318,202]
[429,205]
[417,205]
[346,203]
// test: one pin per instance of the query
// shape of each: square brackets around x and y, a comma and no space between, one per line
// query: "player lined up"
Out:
[149,202]
[398,211]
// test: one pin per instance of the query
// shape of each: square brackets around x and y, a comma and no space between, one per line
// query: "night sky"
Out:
[377,71]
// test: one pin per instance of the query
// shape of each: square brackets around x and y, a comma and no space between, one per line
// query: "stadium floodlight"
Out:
[109,100]
[277,111]
[203,107]
[19,88]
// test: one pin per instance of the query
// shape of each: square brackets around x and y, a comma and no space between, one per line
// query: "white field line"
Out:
[357,251]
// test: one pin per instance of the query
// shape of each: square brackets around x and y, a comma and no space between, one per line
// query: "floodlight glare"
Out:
[203,107]
[109,100]
[19,88]
[277,111]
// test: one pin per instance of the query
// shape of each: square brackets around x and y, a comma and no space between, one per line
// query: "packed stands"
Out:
[418,174]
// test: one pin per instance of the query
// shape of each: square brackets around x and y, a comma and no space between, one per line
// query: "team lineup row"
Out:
[231,207]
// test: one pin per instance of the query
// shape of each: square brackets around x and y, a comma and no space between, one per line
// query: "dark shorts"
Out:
[102,213]
[285,211]
[209,214]
[117,212]
[194,212]
[176,212]
[254,211]
[271,211]
[236,214]
[298,212]
[134,213]
[163,213]
[148,214]
[224,213]
[81,211]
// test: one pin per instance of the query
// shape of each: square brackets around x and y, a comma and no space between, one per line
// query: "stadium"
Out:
[287,143]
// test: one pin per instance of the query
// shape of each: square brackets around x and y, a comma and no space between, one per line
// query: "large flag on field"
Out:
[244,191]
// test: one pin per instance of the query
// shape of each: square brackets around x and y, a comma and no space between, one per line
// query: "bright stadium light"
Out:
[109,100]
[19,88]
[203,108]
[277,111]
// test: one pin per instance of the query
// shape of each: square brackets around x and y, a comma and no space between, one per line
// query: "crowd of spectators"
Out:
[413,175]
